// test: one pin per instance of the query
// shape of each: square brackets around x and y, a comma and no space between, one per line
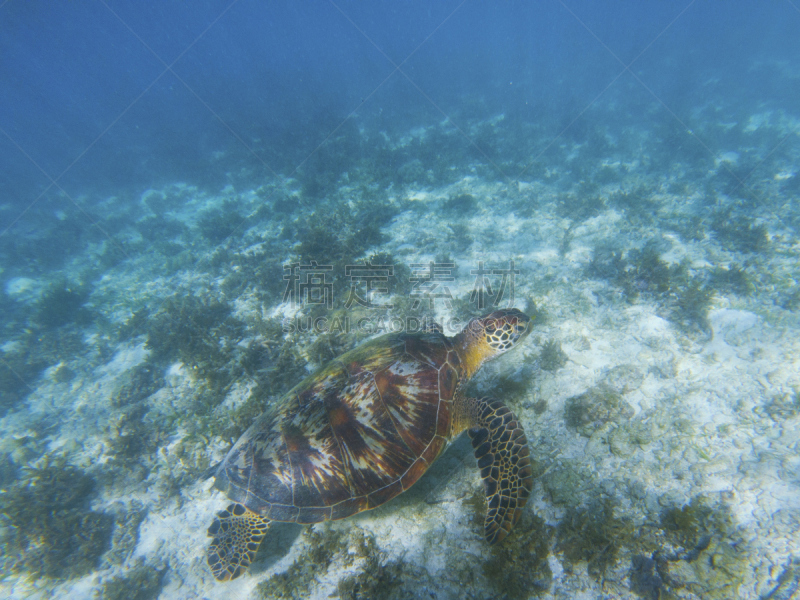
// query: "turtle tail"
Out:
[237,533]
[501,449]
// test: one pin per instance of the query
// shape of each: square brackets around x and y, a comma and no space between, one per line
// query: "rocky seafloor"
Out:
[660,388]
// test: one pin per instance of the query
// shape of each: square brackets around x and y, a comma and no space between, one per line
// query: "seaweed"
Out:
[136,325]
[562,483]
[733,279]
[685,298]
[691,306]
[597,406]
[518,567]
[513,387]
[580,206]
[706,555]
[52,530]
[125,536]
[369,576]
[790,300]
[339,239]
[18,372]
[552,357]
[130,436]
[593,535]
[23,361]
[139,383]
[200,333]
[62,304]
[141,582]
[780,408]
[638,204]
[460,236]
[219,224]
[739,232]
[159,229]
[462,204]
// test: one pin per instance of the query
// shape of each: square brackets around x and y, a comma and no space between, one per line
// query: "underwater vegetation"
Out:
[638,204]
[780,408]
[733,279]
[41,336]
[551,356]
[344,233]
[370,575]
[19,369]
[685,298]
[739,232]
[50,529]
[142,582]
[218,224]
[594,535]
[597,406]
[700,553]
[158,229]
[463,204]
[581,205]
[199,333]
[518,567]
[142,381]
[61,304]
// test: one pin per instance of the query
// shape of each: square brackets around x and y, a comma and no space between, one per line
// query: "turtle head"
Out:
[486,337]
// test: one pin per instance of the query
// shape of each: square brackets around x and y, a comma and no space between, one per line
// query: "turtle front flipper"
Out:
[501,449]
[237,533]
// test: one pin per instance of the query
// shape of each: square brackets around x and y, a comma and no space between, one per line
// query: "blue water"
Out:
[110,97]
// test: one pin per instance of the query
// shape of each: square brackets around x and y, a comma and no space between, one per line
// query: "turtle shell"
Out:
[350,437]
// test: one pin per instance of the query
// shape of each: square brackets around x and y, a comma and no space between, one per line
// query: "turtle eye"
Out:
[490,330]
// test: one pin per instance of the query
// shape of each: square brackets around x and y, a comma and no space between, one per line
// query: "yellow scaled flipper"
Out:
[237,534]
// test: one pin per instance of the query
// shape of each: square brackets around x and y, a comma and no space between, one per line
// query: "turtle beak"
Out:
[521,327]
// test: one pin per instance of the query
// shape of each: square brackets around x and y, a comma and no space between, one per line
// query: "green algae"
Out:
[137,384]
[517,568]
[141,582]
[711,559]
[200,333]
[462,204]
[62,304]
[684,298]
[780,408]
[563,483]
[218,224]
[551,356]
[326,546]
[638,204]
[733,279]
[127,519]
[739,231]
[51,529]
[691,305]
[597,406]
[594,535]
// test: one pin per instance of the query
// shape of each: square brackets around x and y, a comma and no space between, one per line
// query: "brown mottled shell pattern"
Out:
[350,437]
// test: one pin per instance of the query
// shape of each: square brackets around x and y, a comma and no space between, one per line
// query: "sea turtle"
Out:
[364,428]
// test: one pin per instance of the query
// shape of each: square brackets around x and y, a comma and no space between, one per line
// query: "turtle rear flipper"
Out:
[237,533]
[501,449]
